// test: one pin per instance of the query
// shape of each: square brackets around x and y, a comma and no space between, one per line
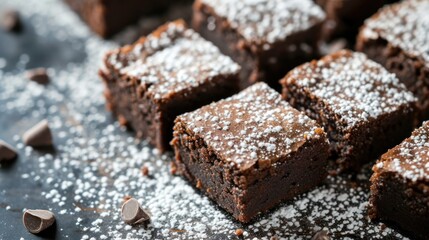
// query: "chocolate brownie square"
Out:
[397,37]
[267,37]
[364,109]
[251,151]
[169,72]
[107,17]
[400,185]
[344,17]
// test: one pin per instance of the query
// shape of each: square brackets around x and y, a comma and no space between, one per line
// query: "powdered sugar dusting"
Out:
[171,60]
[404,25]
[410,159]
[97,163]
[255,124]
[260,21]
[355,87]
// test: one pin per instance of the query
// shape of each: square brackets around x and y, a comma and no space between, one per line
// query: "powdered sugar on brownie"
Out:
[410,159]
[254,125]
[353,86]
[260,21]
[404,25]
[172,60]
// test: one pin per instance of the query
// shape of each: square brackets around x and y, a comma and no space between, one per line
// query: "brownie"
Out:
[397,37]
[344,17]
[266,37]
[169,72]
[364,109]
[107,17]
[250,152]
[400,185]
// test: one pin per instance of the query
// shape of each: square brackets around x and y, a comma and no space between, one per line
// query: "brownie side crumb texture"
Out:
[250,152]
[397,37]
[363,108]
[170,72]
[400,185]
[267,38]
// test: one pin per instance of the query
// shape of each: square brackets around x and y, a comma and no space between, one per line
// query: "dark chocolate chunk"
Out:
[321,235]
[7,153]
[39,75]
[38,220]
[39,136]
[11,21]
[132,212]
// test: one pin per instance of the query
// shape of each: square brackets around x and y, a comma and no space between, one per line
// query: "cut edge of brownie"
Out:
[409,216]
[253,186]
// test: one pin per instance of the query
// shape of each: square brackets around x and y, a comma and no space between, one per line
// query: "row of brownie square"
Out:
[123,88]
[250,151]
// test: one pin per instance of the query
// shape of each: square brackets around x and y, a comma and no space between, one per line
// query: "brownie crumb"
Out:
[383,226]
[38,75]
[145,171]
[274,238]
[199,184]
[173,168]
[126,198]
[122,120]
[319,131]
[11,21]
[239,232]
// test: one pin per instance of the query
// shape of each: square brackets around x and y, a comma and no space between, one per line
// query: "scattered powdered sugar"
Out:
[96,163]
[355,87]
[404,25]
[260,21]
[172,60]
[410,159]
[253,125]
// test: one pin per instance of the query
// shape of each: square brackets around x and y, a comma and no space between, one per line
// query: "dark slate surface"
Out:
[17,193]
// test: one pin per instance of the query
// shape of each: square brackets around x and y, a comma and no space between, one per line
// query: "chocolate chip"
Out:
[37,220]
[199,185]
[7,153]
[39,75]
[11,21]
[39,135]
[321,235]
[132,213]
